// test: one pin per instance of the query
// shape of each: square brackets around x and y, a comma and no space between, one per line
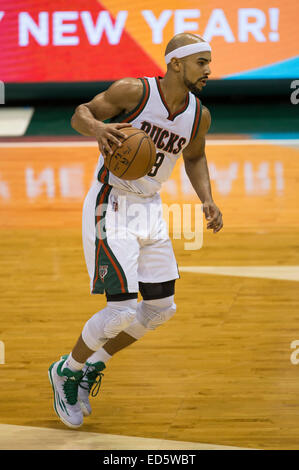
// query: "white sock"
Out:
[72,364]
[99,355]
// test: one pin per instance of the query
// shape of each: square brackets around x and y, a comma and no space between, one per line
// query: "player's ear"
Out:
[175,64]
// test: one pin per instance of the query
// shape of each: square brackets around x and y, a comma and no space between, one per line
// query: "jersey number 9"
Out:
[159,161]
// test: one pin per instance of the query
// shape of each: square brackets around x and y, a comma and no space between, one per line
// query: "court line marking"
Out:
[283,273]
[92,143]
[15,437]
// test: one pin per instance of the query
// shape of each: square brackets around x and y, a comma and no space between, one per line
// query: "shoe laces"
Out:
[70,386]
[93,379]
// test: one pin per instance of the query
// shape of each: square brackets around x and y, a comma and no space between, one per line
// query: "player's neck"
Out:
[174,94]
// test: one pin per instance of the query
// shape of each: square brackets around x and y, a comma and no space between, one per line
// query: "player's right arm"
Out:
[122,96]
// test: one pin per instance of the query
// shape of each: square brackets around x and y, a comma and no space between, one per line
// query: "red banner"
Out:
[42,41]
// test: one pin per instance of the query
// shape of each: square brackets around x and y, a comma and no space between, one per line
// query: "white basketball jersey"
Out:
[171,133]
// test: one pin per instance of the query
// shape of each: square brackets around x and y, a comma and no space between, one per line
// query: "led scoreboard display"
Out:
[59,41]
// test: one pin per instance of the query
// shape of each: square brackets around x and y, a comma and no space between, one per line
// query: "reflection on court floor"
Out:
[220,372]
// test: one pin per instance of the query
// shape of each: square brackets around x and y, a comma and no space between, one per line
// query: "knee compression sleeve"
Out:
[151,314]
[107,323]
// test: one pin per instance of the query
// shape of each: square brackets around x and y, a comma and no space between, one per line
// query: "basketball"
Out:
[134,158]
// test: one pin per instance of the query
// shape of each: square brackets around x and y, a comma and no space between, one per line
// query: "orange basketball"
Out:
[134,158]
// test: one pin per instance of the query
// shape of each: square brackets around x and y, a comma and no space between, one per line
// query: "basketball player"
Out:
[169,110]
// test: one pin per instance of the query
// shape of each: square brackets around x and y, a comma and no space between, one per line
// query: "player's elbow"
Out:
[191,160]
[74,119]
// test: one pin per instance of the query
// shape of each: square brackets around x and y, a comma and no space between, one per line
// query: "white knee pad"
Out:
[108,323]
[151,314]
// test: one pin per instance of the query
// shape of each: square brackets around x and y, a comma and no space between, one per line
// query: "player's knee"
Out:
[153,313]
[121,314]
[109,322]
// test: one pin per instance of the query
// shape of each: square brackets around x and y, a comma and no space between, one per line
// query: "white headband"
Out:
[188,50]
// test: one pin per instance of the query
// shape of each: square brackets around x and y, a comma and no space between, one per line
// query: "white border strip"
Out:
[92,143]
[14,437]
[47,144]
[253,142]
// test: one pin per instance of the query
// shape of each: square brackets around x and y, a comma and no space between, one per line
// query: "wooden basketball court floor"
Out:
[222,373]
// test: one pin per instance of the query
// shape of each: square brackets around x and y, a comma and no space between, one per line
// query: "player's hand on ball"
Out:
[110,133]
[213,215]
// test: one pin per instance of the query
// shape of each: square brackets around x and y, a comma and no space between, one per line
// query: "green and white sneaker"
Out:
[90,384]
[65,385]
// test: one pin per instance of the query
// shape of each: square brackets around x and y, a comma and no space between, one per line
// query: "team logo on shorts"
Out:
[114,204]
[103,271]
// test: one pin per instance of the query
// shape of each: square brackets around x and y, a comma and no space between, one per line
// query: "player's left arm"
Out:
[198,173]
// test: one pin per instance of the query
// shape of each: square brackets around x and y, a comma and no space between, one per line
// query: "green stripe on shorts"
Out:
[109,275]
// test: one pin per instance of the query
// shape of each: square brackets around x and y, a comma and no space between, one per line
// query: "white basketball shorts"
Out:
[125,240]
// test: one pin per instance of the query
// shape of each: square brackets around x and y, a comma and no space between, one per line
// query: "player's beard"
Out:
[191,86]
